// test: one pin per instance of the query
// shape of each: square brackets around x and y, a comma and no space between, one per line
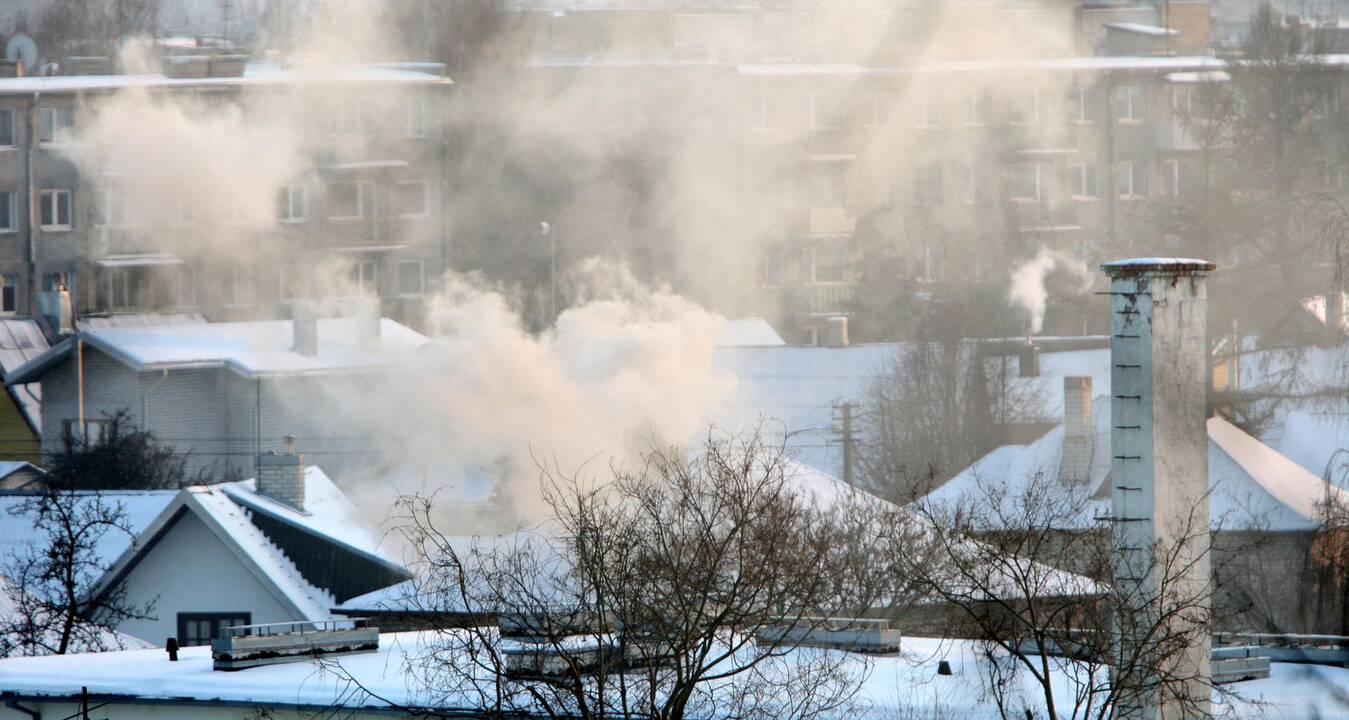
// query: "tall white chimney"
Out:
[1078,434]
[1159,467]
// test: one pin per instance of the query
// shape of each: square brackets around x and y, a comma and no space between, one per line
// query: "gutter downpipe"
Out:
[14,705]
[79,381]
[145,416]
[33,133]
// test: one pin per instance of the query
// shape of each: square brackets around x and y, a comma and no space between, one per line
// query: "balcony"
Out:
[820,298]
[246,646]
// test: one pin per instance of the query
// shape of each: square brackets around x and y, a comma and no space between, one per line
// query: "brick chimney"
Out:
[281,475]
[1079,437]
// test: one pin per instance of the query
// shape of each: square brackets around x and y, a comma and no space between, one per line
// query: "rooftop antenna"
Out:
[23,49]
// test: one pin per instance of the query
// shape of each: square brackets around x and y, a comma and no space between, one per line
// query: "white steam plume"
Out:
[1028,282]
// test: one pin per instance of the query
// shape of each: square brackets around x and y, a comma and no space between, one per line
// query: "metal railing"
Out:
[298,627]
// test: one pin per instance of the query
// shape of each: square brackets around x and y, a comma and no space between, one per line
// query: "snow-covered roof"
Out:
[148,319]
[795,389]
[140,506]
[1142,29]
[328,513]
[1252,485]
[255,74]
[22,340]
[251,349]
[905,684]
[745,332]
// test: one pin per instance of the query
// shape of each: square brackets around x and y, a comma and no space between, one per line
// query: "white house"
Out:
[287,546]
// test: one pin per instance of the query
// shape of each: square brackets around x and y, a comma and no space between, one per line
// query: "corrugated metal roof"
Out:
[21,340]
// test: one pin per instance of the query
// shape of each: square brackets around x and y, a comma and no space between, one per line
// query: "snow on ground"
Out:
[903,685]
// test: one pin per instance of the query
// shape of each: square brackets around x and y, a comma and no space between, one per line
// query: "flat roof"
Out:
[260,74]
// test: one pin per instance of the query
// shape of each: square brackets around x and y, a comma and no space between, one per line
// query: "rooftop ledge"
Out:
[1157,266]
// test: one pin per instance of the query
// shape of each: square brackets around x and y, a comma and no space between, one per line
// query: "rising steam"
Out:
[1028,282]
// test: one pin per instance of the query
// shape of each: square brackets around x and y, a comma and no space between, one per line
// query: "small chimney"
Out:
[1028,360]
[306,328]
[367,321]
[54,307]
[836,334]
[281,475]
[1078,434]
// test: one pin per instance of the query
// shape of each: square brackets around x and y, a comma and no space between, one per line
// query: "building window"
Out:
[1082,104]
[55,281]
[1182,100]
[352,199]
[1132,182]
[293,203]
[410,198]
[1085,183]
[365,277]
[202,628]
[972,188]
[94,431]
[411,277]
[826,264]
[237,287]
[929,110]
[9,211]
[111,206]
[1025,110]
[9,293]
[6,127]
[826,110]
[1023,182]
[1171,185]
[1129,103]
[974,108]
[54,123]
[927,186]
[55,209]
[828,184]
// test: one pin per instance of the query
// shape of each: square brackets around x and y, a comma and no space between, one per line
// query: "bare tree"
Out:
[688,586]
[50,583]
[1034,588]
[929,413]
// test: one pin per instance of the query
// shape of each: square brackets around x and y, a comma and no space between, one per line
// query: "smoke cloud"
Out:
[1029,290]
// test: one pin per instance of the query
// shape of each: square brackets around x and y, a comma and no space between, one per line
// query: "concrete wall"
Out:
[191,570]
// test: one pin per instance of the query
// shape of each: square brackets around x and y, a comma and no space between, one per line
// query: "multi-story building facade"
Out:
[963,137]
[366,200]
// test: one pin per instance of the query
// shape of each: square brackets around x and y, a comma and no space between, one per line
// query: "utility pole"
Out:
[846,435]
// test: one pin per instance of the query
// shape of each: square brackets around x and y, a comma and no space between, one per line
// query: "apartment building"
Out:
[367,200]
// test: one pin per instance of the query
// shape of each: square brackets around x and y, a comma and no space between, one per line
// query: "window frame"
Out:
[9,293]
[290,217]
[1082,97]
[56,193]
[10,199]
[50,123]
[365,198]
[1133,171]
[214,618]
[1082,189]
[10,127]
[1035,178]
[1128,112]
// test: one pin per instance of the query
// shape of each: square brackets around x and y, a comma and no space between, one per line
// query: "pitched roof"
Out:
[140,506]
[748,332]
[250,349]
[21,340]
[796,388]
[1253,486]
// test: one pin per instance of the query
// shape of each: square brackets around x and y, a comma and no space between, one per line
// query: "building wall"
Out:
[170,711]
[191,570]
[315,244]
